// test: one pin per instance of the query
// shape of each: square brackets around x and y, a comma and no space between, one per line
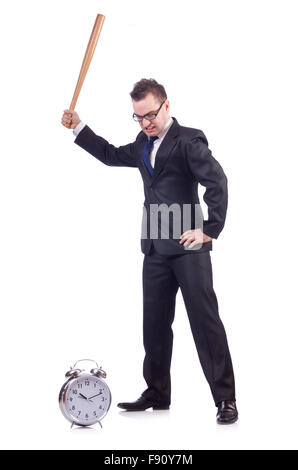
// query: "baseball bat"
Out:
[87,59]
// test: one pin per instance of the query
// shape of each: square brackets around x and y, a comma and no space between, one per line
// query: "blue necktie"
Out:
[146,151]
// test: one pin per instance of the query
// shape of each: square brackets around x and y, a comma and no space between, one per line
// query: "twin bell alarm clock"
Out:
[85,398]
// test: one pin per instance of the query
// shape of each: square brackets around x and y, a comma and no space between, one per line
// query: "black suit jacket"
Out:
[182,161]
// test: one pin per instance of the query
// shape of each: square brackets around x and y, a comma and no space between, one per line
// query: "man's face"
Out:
[148,105]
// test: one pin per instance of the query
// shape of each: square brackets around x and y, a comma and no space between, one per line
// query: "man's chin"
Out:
[151,134]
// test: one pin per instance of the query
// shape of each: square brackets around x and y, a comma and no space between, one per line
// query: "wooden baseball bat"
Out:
[87,59]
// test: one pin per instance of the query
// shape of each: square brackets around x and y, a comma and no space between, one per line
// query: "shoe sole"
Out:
[144,409]
[228,422]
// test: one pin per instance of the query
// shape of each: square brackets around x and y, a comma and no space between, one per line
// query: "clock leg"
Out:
[100,424]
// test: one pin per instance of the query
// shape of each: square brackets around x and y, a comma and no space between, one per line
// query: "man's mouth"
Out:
[149,129]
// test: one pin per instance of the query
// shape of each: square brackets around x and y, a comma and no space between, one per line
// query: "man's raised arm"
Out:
[125,155]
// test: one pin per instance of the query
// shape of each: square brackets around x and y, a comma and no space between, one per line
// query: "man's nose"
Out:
[145,122]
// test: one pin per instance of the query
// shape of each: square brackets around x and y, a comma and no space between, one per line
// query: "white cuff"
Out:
[78,128]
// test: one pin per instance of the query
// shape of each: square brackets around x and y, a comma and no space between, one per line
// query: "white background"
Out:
[71,261]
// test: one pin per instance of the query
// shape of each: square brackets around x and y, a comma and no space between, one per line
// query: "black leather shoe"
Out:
[142,404]
[227,412]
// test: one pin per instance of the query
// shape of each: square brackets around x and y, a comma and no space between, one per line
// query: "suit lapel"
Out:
[163,153]
[165,149]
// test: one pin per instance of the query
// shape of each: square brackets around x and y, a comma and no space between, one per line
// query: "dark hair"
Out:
[145,86]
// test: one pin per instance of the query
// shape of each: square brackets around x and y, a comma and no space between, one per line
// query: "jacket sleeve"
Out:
[208,172]
[125,155]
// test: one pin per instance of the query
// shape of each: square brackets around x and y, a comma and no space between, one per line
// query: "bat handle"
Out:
[72,109]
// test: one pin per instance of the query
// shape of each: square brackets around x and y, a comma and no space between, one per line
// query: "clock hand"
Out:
[83,396]
[95,395]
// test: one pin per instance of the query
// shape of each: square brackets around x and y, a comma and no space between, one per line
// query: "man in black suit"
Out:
[172,160]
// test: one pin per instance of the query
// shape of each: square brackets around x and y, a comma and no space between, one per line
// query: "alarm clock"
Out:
[85,398]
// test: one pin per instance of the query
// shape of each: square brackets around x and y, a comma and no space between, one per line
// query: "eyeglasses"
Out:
[149,116]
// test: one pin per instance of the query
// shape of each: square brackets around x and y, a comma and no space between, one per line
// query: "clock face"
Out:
[87,399]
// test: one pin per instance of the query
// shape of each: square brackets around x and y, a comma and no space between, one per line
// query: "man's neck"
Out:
[168,124]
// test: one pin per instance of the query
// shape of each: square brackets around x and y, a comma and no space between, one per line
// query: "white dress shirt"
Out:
[78,128]
[156,143]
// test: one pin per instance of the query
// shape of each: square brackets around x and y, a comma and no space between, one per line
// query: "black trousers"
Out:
[162,276]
